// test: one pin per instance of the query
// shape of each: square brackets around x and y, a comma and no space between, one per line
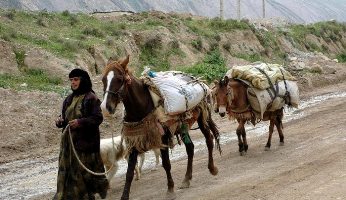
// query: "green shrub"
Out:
[11,14]
[93,31]
[42,22]
[20,56]
[341,57]
[227,46]
[211,68]
[197,44]
[35,79]
[65,13]
[74,20]
[249,57]
[227,25]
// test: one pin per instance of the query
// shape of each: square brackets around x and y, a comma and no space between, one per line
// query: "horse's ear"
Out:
[216,82]
[226,79]
[125,62]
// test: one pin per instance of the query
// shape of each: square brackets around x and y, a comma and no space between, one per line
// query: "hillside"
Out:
[307,11]
[41,43]
[38,49]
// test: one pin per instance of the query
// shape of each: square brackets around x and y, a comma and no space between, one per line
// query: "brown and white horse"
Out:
[120,85]
[231,98]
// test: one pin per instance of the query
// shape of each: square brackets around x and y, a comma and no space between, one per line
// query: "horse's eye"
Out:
[120,79]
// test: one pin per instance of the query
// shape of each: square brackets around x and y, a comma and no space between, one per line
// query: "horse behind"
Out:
[231,98]
[120,85]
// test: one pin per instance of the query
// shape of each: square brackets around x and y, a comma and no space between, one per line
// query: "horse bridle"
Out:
[120,92]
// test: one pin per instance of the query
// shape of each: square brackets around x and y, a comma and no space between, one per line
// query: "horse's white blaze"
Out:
[222,109]
[110,76]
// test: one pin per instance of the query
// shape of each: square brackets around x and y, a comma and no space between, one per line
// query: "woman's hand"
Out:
[59,122]
[73,123]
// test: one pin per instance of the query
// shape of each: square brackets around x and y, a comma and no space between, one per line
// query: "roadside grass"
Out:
[32,79]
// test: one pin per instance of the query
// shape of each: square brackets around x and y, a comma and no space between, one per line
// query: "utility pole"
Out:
[263,9]
[238,10]
[221,9]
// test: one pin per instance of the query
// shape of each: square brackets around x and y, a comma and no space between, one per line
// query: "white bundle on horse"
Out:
[270,86]
[180,92]
[265,100]
[254,74]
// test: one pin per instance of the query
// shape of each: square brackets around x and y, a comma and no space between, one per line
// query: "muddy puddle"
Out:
[27,179]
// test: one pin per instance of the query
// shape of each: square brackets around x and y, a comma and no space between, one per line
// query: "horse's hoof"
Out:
[170,194]
[184,184]
[214,171]
[282,144]
[242,153]
[266,148]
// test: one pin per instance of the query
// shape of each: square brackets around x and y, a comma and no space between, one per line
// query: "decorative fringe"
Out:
[143,135]
[248,116]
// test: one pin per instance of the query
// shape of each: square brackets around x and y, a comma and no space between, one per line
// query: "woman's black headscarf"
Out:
[85,82]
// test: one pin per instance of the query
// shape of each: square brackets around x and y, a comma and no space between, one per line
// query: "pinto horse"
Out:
[120,85]
[231,98]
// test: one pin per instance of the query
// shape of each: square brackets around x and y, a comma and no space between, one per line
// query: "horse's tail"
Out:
[280,116]
[205,122]
[215,131]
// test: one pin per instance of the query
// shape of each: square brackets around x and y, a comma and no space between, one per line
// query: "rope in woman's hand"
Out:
[80,162]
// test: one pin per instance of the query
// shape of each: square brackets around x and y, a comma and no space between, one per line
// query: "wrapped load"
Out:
[180,92]
[270,86]
[265,100]
[260,74]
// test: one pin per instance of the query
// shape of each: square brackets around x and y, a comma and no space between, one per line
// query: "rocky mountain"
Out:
[299,11]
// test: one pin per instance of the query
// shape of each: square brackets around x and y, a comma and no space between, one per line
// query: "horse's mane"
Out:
[112,65]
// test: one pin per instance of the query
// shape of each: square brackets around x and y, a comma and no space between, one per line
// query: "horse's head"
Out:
[115,79]
[221,94]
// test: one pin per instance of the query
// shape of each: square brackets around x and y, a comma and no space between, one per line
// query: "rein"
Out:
[80,162]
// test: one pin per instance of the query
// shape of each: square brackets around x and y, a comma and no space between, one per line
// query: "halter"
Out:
[120,92]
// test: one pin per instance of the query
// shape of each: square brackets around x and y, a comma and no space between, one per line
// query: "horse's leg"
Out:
[271,129]
[243,134]
[157,158]
[190,147]
[139,165]
[239,134]
[166,164]
[278,124]
[210,144]
[129,174]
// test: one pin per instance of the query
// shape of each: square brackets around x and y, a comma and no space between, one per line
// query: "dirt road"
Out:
[311,164]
